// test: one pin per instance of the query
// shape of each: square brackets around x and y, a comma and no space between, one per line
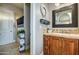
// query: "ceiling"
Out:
[19,5]
[17,8]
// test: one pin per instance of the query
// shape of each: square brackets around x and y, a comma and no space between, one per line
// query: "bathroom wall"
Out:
[10,12]
[17,12]
[7,21]
[37,29]
[27,24]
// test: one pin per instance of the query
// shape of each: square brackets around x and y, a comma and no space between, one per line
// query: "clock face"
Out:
[43,11]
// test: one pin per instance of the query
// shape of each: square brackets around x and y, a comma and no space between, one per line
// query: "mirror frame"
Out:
[74,8]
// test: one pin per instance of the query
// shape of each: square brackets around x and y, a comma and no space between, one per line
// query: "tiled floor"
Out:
[9,49]
[27,52]
[12,49]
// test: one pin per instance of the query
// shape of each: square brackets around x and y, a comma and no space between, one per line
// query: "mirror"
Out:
[65,17]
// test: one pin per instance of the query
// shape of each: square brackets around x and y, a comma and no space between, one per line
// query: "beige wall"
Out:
[51,6]
[27,24]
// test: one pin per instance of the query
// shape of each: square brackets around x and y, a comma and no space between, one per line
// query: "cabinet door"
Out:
[46,45]
[55,45]
[70,46]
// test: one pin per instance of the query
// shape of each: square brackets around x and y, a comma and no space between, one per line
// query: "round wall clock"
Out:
[43,11]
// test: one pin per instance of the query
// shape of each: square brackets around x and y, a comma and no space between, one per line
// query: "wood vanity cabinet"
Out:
[60,46]
[69,46]
[46,45]
[55,45]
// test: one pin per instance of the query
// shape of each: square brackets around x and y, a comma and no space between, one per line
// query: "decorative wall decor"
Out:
[43,11]
[45,22]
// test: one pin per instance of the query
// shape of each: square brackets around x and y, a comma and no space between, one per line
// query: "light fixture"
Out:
[57,4]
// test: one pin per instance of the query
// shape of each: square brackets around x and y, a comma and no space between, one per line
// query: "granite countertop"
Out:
[65,35]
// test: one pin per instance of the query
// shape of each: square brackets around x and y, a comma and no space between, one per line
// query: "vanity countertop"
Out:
[65,35]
